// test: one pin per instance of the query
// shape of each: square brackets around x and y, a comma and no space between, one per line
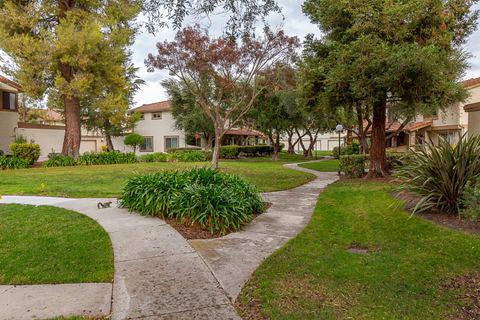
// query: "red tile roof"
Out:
[413,126]
[10,83]
[471,82]
[155,107]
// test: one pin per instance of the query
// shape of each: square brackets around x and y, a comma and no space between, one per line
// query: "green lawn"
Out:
[51,245]
[329,165]
[404,276]
[108,180]
[323,153]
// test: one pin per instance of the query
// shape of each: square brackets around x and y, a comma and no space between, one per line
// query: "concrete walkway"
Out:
[159,274]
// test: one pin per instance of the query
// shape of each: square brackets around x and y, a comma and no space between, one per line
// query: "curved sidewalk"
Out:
[159,274]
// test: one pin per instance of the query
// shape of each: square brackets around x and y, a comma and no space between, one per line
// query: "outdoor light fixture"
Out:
[339,130]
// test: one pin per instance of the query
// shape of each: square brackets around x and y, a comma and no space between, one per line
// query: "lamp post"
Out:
[339,130]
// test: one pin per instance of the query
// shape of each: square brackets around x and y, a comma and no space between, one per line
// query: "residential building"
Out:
[157,126]
[472,107]
[9,91]
[449,123]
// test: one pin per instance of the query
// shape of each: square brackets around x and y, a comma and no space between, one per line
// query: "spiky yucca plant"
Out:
[439,173]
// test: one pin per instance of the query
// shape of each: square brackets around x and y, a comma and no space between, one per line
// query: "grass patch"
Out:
[43,244]
[323,153]
[404,275]
[329,165]
[108,180]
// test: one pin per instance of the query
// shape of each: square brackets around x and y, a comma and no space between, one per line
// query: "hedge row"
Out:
[353,166]
[234,151]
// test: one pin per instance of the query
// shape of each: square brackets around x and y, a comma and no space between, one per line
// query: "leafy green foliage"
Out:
[153,157]
[59,161]
[216,201]
[353,148]
[439,173]
[189,156]
[27,151]
[114,157]
[13,163]
[353,166]
[134,140]
[471,200]
[234,151]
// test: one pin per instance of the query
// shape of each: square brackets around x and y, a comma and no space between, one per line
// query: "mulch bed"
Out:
[467,290]
[445,219]
[194,231]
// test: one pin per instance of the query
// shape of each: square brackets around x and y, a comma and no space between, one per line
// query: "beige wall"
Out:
[473,123]
[8,123]
[51,140]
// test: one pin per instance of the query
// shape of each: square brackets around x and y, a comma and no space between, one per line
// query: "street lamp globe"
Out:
[339,128]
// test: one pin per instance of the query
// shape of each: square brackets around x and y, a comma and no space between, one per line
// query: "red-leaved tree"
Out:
[221,72]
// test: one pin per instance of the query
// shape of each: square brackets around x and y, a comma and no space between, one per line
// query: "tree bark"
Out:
[216,151]
[378,159]
[276,147]
[71,140]
[291,145]
[108,139]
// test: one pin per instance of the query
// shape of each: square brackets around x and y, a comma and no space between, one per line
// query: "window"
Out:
[9,101]
[171,142]
[448,136]
[142,116]
[156,115]
[147,145]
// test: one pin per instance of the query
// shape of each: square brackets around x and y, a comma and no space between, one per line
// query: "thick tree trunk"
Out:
[108,139]
[71,140]
[378,159]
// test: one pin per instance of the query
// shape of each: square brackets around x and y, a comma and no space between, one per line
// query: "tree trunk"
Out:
[291,145]
[276,147]
[108,139]
[71,140]
[378,159]
[216,151]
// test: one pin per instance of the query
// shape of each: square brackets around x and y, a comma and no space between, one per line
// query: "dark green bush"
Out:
[439,173]
[59,160]
[184,149]
[229,152]
[27,151]
[353,166]
[353,148]
[216,201]
[153,157]
[188,156]
[114,157]
[13,163]
[471,200]
[134,140]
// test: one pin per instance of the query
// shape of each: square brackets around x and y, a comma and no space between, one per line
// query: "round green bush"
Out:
[216,201]
[27,151]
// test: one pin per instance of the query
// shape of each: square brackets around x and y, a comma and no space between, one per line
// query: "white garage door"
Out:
[88,146]
[332,144]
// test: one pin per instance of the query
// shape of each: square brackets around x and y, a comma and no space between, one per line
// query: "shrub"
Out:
[255,151]
[114,157]
[229,152]
[59,160]
[439,173]
[20,139]
[153,157]
[27,151]
[187,156]
[13,163]
[471,200]
[353,166]
[134,140]
[184,149]
[353,148]
[216,201]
